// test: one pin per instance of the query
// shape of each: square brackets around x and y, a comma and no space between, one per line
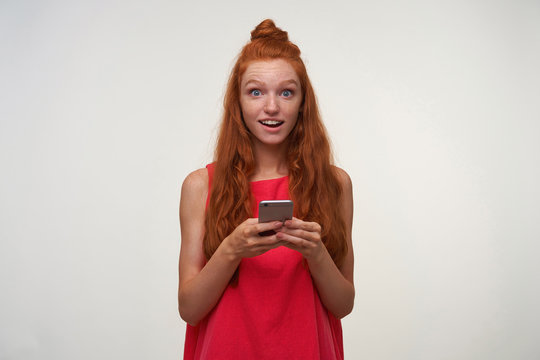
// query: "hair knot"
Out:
[268,30]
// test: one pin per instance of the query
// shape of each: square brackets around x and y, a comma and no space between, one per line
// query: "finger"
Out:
[292,223]
[299,224]
[261,227]
[260,249]
[266,240]
[297,241]
[303,234]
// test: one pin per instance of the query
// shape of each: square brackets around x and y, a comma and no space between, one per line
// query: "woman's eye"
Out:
[287,93]
[255,92]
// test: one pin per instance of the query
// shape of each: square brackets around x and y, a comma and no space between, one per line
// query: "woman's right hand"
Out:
[245,240]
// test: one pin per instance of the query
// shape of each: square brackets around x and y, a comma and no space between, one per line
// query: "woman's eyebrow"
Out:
[291,81]
[256,82]
[260,83]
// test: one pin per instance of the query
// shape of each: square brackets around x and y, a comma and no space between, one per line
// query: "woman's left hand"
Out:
[304,237]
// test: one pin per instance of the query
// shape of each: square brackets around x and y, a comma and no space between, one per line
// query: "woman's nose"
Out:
[271,106]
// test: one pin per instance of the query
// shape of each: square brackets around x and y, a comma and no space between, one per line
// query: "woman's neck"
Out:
[270,161]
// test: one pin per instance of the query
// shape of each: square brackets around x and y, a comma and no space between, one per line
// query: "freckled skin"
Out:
[270,90]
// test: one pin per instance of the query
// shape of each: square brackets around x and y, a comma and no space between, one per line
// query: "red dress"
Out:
[274,312]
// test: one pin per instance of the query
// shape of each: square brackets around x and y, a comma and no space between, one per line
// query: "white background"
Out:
[433,108]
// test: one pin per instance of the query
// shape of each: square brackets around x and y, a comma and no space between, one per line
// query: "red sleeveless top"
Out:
[274,312]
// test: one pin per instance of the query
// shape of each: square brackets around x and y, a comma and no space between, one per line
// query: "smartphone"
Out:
[274,210]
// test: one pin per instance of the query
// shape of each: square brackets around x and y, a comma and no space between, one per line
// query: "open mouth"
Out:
[271,123]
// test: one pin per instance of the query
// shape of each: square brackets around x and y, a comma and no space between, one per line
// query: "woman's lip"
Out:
[272,123]
[272,128]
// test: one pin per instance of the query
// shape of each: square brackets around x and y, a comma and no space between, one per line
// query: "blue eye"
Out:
[287,93]
[255,92]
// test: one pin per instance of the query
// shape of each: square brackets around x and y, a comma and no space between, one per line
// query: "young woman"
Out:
[247,296]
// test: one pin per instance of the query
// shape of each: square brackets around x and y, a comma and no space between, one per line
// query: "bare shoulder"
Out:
[343,178]
[196,183]
[194,193]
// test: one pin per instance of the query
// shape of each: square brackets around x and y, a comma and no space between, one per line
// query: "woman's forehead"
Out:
[269,71]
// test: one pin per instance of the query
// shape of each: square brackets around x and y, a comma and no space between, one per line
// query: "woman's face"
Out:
[270,98]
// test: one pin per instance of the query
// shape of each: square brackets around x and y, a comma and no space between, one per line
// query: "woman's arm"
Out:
[199,288]
[335,285]
[202,283]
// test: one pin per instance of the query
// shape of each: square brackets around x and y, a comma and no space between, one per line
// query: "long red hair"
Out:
[314,185]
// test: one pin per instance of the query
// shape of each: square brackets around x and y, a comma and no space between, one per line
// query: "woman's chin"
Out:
[273,141]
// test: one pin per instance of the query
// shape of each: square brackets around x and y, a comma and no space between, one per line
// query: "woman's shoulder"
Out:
[196,182]
[343,177]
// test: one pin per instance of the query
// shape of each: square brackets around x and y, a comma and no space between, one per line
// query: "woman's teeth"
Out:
[271,123]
